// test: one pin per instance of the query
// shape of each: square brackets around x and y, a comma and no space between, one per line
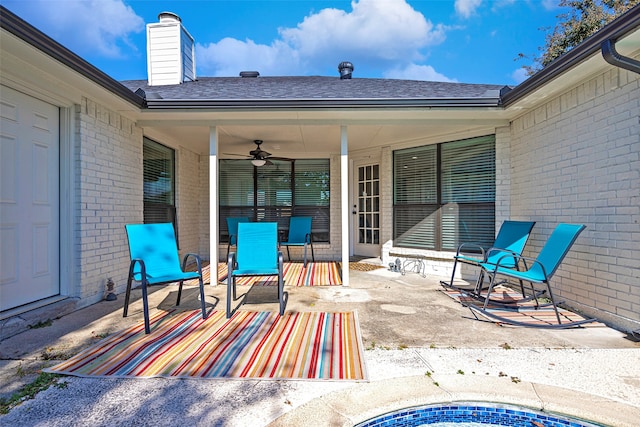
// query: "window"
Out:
[159,183]
[444,194]
[276,192]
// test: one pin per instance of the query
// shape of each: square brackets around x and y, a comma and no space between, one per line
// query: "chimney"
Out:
[170,52]
[345,68]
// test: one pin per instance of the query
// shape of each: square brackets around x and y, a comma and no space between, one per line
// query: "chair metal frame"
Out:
[507,247]
[257,255]
[300,235]
[541,269]
[154,258]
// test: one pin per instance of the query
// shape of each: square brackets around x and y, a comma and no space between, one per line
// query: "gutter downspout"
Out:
[608,48]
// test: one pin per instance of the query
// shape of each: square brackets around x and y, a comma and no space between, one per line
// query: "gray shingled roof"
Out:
[314,88]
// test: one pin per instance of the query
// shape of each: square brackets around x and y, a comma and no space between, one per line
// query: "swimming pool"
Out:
[473,414]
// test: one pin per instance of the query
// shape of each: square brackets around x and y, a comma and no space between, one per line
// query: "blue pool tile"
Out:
[501,415]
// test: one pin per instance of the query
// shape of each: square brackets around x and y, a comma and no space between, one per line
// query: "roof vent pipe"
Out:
[249,74]
[346,69]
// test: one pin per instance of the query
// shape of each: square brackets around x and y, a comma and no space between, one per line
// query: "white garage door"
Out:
[29,199]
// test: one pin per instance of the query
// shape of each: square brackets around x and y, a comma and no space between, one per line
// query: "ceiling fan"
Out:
[259,157]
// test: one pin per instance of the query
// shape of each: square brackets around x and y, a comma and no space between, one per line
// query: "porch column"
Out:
[344,202]
[213,204]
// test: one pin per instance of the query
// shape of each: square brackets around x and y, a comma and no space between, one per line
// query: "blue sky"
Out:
[467,41]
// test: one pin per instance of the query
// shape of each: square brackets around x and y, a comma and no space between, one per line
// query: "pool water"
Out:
[473,415]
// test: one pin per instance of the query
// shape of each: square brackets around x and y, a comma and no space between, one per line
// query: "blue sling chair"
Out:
[300,235]
[541,269]
[511,239]
[154,261]
[232,229]
[257,255]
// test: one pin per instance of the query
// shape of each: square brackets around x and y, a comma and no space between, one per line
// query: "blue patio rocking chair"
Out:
[541,269]
[232,228]
[154,261]
[511,239]
[257,255]
[300,235]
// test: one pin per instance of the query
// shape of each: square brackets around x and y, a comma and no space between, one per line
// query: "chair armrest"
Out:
[280,261]
[511,255]
[196,257]
[143,268]
[231,262]
[463,246]
[309,237]
[506,253]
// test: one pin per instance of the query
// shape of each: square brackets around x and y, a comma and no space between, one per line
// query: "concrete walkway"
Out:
[421,347]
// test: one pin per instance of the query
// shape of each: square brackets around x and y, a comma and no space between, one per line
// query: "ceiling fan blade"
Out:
[284,159]
[237,155]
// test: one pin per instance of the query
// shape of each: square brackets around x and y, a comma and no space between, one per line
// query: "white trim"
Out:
[344,202]
[67,202]
[213,201]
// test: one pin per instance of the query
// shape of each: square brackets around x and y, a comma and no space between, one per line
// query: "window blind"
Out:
[445,194]
[159,183]
[415,173]
[468,192]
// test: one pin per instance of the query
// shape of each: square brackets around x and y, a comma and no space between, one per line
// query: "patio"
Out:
[421,347]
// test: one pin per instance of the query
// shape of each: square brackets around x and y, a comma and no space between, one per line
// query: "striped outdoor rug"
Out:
[320,346]
[525,313]
[316,274]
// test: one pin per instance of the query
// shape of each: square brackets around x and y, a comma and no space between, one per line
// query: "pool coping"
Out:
[368,400]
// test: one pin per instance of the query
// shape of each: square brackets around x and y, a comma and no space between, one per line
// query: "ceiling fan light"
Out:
[258,162]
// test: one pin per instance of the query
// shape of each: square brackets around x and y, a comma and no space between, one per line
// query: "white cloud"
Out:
[104,27]
[390,28]
[230,56]
[417,72]
[375,34]
[519,75]
[466,8]
[551,4]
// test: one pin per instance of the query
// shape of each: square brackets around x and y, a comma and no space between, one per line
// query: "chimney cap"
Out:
[345,68]
[249,74]
[169,17]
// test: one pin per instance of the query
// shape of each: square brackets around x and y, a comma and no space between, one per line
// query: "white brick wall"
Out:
[108,196]
[188,200]
[577,159]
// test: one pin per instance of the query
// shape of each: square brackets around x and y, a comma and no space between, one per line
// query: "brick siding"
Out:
[108,195]
[576,159]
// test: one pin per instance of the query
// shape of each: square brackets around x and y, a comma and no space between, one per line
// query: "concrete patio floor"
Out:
[421,347]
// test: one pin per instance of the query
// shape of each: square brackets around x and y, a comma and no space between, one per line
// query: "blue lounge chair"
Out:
[257,255]
[541,269]
[154,261]
[232,228]
[300,235]
[511,239]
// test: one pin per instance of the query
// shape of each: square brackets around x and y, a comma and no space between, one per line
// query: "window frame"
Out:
[157,211]
[438,214]
[266,204]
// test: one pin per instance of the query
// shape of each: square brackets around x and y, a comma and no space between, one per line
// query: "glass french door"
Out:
[366,208]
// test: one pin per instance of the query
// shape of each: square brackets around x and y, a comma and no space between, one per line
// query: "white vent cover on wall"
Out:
[170,52]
